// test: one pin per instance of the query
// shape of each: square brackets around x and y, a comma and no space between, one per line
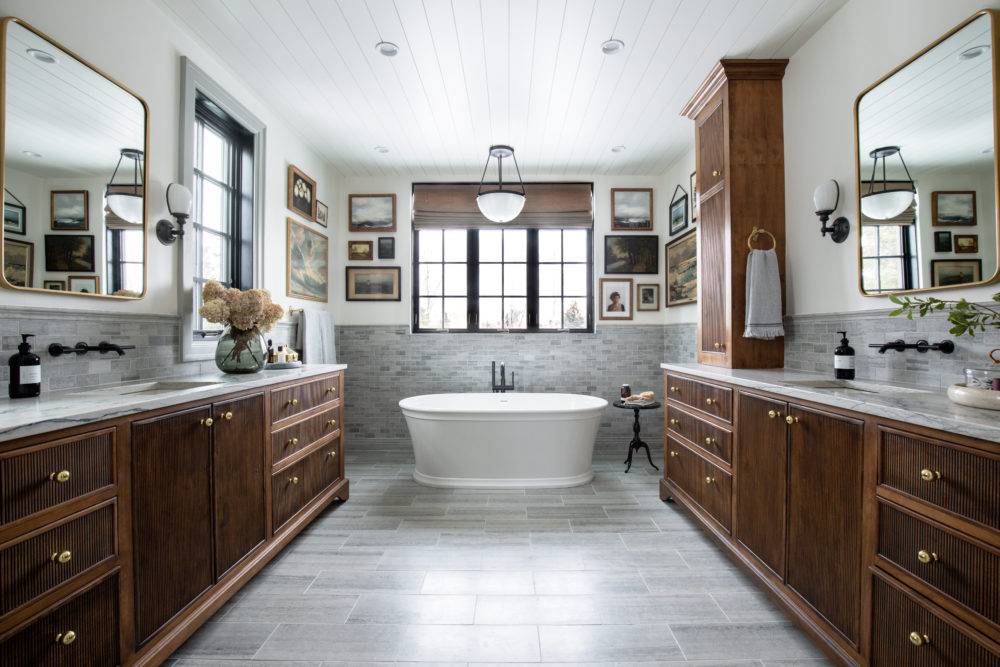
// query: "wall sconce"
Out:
[826,197]
[179,205]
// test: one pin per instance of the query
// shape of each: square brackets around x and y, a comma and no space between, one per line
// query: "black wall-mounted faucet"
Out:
[503,387]
[944,347]
[57,350]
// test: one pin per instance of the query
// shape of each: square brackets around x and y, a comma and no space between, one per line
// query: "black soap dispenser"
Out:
[25,371]
[843,359]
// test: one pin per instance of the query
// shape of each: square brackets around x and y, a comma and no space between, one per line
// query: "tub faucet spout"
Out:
[503,387]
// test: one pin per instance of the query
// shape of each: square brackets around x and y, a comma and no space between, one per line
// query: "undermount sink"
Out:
[852,385]
[159,387]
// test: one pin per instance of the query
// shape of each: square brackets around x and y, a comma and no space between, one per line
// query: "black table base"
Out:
[637,442]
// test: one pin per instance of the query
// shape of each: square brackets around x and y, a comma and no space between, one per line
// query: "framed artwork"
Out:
[15,219]
[360,250]
[70,211]
[678,211]
[616,299]
[632,254]
[693,189]
[647,296]
[942,241]
[953,208]
[301,193]
[19,262]
[386,247]
[84,284]
[967,243]
[306,263]
[946,272]
[322,213]
[682,270]
[371,213]
[69,252]
[373,283]
[54,285]
[632,209]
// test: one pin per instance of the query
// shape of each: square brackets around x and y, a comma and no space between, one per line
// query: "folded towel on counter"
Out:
[763,316]
[315,337]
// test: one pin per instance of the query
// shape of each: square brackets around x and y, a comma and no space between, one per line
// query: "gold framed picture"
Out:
[371,213]
[615,296]
[307,263]
[373,283]
[19,262]
[360,250]
[84,284]
[301,193]
[632,209]
[682,270]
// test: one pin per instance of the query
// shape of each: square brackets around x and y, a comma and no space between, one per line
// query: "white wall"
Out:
[140,45]
[859,44]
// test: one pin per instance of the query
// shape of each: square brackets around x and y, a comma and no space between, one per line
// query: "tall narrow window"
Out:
[562,278]
[442,267]
[888,257]
[223,204]
[124,250]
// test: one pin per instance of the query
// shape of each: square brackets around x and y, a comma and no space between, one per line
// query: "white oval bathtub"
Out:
[503,440]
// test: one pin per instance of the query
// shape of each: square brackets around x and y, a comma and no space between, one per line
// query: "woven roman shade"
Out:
[907,217]
[443,205]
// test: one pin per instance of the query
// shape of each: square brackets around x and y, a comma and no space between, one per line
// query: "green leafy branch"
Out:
[965,317]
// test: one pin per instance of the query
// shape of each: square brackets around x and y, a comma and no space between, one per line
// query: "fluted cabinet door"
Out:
[172,515]
[713,277]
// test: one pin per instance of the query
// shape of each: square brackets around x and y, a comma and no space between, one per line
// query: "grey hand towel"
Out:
[763,316]
[315,337]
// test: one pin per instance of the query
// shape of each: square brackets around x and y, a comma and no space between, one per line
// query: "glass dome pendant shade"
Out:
[125,199]
[500,205]
[887,203]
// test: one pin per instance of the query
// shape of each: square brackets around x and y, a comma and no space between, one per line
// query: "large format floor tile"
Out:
[603,574]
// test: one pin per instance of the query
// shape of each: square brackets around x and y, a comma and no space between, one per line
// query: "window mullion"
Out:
[532,270]
[472,279]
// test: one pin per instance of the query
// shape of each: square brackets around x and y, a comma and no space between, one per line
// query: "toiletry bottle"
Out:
[25,371]
[843,359]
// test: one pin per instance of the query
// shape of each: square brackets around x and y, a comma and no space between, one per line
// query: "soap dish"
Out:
[283,366]
[973,397]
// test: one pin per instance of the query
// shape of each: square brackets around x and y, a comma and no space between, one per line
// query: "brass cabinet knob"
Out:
[919,639]
[61,556]
[332,454]
[925,556]
[674,390]
[62,476]
[331,390]
[674,422]
[716,172]
[709,480]
[207,422]
[672,453]
[332,422]
[66,638]
[293,402]
[791,420]
[709,401]
[228,416]
[293,442]
[709,440]
[929,475]
[773,413]
[293,480]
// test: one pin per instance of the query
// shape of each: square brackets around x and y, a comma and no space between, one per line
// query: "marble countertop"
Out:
[58,410]
[930,408]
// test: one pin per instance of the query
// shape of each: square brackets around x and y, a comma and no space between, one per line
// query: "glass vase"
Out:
[240,351]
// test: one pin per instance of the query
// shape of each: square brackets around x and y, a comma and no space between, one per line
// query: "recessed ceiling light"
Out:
[381,149]
[973,52]
[42,56]
[613,46]
[387,49]
[31,154]
[617,149]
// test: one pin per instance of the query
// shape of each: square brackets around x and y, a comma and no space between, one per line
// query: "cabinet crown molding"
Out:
[733,69]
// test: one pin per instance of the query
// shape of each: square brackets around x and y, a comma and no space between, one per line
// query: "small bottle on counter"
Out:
[25,371]
[843,359]
[625,391]
[280,356]
[270,351]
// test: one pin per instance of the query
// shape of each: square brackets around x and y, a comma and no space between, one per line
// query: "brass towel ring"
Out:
[757,231]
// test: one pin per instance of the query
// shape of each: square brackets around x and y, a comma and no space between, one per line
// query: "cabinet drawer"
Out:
[290,401]
[711,399]
[298,436]
[906,633]
[718,493]
[966,573]
[715,440]
[44,476]
[681,423]
[942,474]
[81,631]
[47,559]
[684,469]
[288,493]
[323,468]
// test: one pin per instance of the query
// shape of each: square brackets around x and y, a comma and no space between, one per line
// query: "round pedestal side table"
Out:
[637,442]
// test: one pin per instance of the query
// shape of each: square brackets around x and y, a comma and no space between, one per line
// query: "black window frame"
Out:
[472,284]
[907,233]
[114,261]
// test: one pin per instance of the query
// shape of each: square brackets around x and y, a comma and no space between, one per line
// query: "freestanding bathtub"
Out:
[503,440]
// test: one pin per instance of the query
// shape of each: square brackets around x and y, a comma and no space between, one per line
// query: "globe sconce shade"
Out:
[826,198]
[179,205]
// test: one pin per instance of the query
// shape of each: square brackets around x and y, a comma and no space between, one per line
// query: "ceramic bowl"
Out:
[974,398]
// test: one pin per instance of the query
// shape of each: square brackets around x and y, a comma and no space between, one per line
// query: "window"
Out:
[223,204]
[124,250]
[888,258]
[488,280]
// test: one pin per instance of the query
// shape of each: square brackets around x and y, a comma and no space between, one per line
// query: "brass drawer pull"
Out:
[791,420]
[228,416]
[62,476]
[66,638]
[674,422]
[293,442]
[709,480]
[773,413]
[926,557]
[332,422]
[61,557]
[672,453]
[710,401]
[332,454]
[331,390]
[709,440]
[919,639]
[716,172]
[293,480]
[207,422]
[674,390]
[929,475]
[719,346]
[293,402]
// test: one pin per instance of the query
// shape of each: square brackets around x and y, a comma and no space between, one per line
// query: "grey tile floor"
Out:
[601,574]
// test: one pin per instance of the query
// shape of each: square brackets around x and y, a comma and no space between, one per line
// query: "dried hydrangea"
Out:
[248,310]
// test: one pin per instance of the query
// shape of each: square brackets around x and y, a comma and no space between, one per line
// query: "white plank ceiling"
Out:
[470,73]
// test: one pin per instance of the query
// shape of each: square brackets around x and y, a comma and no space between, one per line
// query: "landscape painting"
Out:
[682,270]
[307,261]
[953,208]
[631,254]
[69,252]
[69,210]
[14,219]
[372,213]
[373,284]
[632,209]
[18,262]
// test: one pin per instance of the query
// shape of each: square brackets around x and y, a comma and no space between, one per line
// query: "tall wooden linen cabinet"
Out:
[739,156]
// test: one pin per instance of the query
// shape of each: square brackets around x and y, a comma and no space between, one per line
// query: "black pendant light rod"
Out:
[499,151]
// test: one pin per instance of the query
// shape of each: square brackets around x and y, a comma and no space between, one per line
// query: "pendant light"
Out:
[885,203]
[500,205]
[125,199]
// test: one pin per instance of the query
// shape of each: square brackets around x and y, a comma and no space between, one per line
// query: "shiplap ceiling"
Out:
[73,117]
[938,109]
[469,73]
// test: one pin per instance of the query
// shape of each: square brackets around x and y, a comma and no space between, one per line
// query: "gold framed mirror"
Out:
[926,169]
[75,169]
